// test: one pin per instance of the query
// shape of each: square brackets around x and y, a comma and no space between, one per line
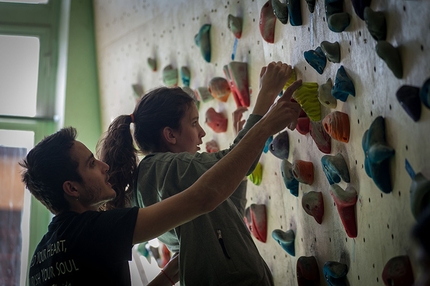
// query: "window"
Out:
[19,62]
[30,108]
[14,217]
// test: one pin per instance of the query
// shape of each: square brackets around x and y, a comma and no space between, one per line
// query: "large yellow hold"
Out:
[307,96]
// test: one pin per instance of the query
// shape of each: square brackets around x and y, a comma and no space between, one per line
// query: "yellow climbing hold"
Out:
[257,175]
[307,96]
[292,79]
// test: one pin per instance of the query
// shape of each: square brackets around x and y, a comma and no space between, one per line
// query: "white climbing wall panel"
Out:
[130,31]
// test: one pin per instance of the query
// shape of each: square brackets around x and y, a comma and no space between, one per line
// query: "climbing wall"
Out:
[129,32]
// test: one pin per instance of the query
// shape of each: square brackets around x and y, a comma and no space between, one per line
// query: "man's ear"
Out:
[169,135]
[70,190]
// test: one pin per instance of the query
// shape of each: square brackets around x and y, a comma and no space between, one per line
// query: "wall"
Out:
[129,32]
[82,103]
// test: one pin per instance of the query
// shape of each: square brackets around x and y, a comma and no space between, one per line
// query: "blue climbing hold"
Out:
[343,85]
[285,239]
[317,59]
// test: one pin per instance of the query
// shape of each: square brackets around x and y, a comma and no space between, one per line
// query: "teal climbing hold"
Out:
[343,85]
[185,76]
[285,239]
[202,40]
[290,181]
[377,154]
[316,59]
[295,12]
[335,273]
[425,93]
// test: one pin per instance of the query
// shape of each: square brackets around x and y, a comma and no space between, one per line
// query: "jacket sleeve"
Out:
[252,120]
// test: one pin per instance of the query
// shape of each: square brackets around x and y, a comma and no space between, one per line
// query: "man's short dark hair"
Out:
[48,165]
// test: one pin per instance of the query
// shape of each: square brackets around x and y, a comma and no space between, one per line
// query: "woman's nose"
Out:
[202,132]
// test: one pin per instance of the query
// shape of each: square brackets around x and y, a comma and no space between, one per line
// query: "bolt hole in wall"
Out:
[375,95]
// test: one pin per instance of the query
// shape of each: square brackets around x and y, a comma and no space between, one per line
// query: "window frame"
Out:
[49,23]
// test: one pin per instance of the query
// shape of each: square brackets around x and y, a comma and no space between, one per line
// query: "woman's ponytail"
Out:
[117,150]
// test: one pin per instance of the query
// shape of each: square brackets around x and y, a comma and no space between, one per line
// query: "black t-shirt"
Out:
[92,248]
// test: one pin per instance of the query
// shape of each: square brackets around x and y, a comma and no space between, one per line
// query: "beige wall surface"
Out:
[128,32]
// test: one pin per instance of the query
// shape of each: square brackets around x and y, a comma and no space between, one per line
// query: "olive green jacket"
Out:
[215,248]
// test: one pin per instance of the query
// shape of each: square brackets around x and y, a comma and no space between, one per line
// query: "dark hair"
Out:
[48,165]
[159,108]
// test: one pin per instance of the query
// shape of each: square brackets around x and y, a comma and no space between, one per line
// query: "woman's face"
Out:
[190,135]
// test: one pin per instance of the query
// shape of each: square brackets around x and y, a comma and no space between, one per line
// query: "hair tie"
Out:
[132,117]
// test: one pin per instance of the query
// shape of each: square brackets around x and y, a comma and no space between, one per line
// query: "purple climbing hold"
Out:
[409,98]
[307,271]
[359,6]
[280,146]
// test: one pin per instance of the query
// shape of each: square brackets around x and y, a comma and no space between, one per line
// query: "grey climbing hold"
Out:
[376,24]
[331,51]
[391,56]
